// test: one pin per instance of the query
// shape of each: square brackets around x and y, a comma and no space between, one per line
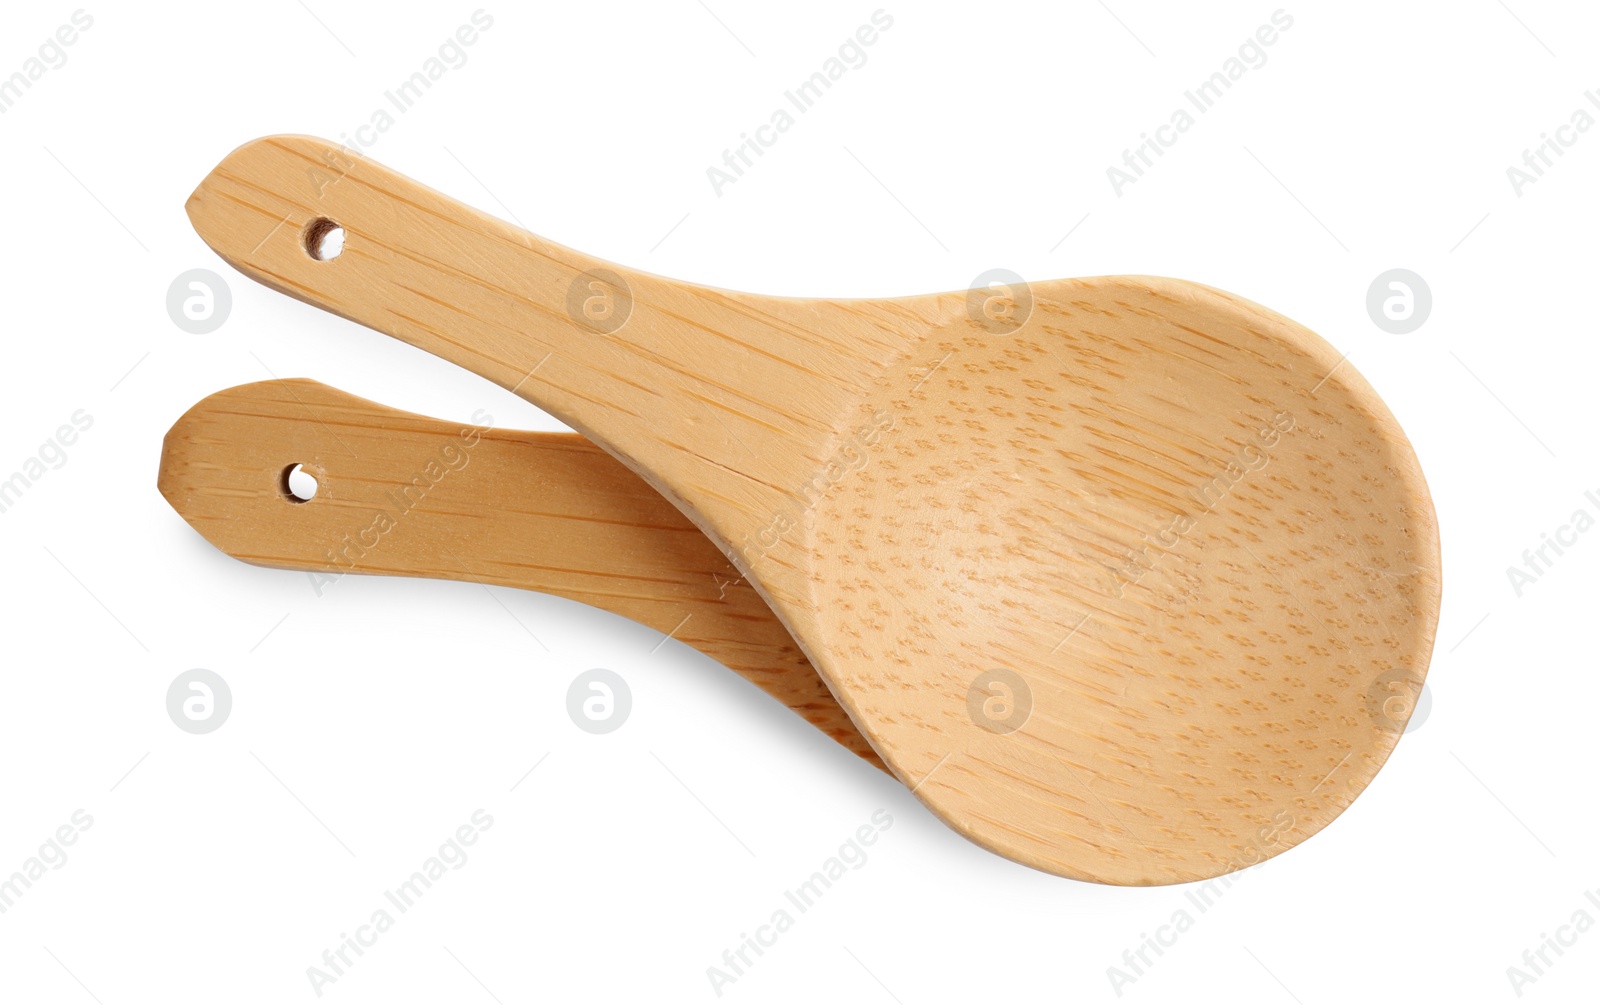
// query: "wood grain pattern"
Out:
[1176,527]
[400,494]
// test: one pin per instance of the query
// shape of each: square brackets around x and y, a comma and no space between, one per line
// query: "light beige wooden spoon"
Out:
[1115,573]
[399,494]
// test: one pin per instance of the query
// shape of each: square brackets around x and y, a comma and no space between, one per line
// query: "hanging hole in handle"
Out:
[324,239]
[297,484]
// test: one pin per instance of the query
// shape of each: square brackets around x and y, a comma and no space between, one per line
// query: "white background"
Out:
[375,719]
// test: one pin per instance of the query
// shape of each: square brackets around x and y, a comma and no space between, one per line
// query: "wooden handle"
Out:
[664,374]
[400,494]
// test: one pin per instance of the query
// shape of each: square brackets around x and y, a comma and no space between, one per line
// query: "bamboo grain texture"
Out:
[400,494]
[1133,591]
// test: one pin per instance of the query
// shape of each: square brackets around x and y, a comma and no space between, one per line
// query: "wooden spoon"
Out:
[1116,573]
[399,494]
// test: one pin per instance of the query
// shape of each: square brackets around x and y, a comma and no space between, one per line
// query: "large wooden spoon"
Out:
[399,494]
[1116,573]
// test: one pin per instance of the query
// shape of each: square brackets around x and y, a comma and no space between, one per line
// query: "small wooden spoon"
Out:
[1114,572]
[399,494]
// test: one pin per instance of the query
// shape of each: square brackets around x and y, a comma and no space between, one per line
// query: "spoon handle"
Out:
[727,400]
[399,494]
